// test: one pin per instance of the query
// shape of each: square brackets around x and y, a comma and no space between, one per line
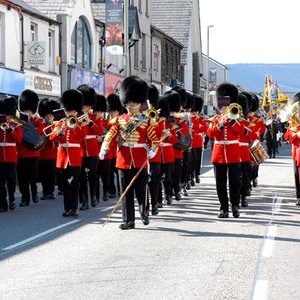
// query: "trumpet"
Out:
[4,126]
[153,115]
[234,111]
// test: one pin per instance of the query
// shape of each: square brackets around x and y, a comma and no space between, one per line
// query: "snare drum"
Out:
[258,153]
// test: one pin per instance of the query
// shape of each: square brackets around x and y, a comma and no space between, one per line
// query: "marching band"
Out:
[135,144]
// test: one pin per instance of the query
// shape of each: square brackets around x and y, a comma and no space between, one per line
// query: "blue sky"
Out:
[252,31]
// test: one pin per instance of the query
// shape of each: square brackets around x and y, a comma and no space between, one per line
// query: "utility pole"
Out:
[126,38]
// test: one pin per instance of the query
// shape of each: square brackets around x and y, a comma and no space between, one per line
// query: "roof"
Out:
[214,61]
[31,9]
[174,18]
[167,36]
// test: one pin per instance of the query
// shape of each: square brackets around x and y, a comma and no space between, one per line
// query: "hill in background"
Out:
[251,76]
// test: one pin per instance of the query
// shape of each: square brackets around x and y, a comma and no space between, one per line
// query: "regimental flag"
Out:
[277,96]
[267,100]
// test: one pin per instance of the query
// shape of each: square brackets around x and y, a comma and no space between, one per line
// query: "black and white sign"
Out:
[36,52]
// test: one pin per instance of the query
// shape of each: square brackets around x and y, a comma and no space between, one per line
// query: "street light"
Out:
[207,77]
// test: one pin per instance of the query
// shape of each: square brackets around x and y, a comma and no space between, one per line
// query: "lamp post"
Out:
[207,77]
[126,38]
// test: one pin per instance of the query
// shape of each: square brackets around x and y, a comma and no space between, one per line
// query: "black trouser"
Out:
[27,176]
[154,182]
[103,172]
[87,178]
[245,177]
[112,173]
[7,183]
[139,188]
[177,175]
[296,177]
[186,166]
[47,171]
[166,175]
[234,173]
[254,173]
[70,178]
[196,162]
[59,180]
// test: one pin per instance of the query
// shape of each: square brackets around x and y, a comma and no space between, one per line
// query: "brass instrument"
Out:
[19,118]
[290,112]
[4,126]
[234,111]
[153,115]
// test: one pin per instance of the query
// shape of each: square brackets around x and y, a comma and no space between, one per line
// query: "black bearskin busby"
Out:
[153,95]
[2,110]
[227,89]
[72,100]
[183,94]
[164,107]
[135,89]
[47,106]
[249,100]
[189,101]
[243,102]
[28,101]
[296,98]
[88,94]
[10,105]
[197,103]
[101,104]
[173,99]
[255,103]
[114,103]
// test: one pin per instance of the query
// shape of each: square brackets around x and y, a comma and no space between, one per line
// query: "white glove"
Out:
[151,154]
[102,154]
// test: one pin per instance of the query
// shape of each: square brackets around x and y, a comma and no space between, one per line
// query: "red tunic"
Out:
[245,140]
[226,148]
[260,127]
[69,150]
[183,130]
[24,152]
[167,149]
[158,130]
[199,127]
[8,143]
[113,146]
[137,134]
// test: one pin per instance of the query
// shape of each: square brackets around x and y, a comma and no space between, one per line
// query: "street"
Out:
[185,252]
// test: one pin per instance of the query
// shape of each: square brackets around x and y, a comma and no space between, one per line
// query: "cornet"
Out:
[153,115]
[4,126]
[234,111]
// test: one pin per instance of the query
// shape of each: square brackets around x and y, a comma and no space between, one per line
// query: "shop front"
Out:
[11,82]
[112,83]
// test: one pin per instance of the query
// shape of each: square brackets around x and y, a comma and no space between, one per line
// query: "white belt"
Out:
[198,134]
[7,144]
[134,145]
[244,144]
[88,137]
[166,144]
[69,145]
[226,142]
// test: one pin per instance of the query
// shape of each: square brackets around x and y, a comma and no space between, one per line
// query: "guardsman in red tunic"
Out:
[48,154]
[89,149]
[293,136]
[70,135]
[226,130]
[199,128]
[137,134]
[27,165]
[174,100]
[114,108]
[103,170]
[259,129]
[166,147]
[245,101]
[10,135]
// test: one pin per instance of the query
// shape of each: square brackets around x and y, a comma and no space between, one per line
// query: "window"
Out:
[51,51]
[144,52]
[33,32]
[156,57]
[81,46]
[136,55]
[2,38]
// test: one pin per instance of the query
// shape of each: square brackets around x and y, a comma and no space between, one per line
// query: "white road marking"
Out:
[35,237]
[260,291]
[269,241]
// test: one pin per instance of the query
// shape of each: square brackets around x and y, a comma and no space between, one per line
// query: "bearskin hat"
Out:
[243,102]
[2,110]
[153,95]
[10,105]
[189,101]
[114,103]
[47,106]
[198,103]
[28,101]
[296,98]
[255,103]
[72,100]
[88,94]
[173,99]
[135,89]
[227,89]
[249,99]
[101,104]
[164,107]
[183,94]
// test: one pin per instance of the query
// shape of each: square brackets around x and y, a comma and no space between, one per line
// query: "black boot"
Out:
[244,202]
[127,225]
[235,211]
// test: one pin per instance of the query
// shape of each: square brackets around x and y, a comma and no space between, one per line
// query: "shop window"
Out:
[81,46]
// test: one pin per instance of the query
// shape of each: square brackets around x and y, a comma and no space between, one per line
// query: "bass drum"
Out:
[31,139]
[258,153]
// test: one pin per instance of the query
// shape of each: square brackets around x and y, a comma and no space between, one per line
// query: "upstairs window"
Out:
[81,46]
[51,51]
[33,32]
[2,38]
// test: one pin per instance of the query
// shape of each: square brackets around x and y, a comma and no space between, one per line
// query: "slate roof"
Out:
[174,18]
